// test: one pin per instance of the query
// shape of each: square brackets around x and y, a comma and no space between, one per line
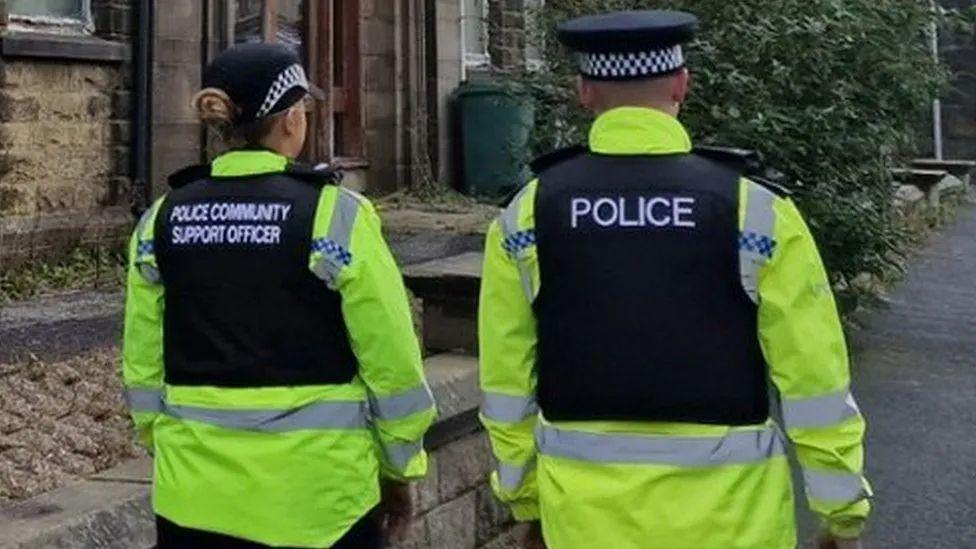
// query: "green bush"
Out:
[832,92]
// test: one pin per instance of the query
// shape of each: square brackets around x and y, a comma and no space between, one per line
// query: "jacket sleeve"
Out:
[803,341]
[352,256]
[507,342]
[142,347]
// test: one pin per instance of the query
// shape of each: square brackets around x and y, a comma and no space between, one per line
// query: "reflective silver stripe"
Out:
[401,454]
[343,218]
[760,220]
[509,224]
[320,415]
[508,409]
[819,411]
[734,447]
[401,405]
[144,400]
[149,272]
[511,476]
[344,215]
[838,488]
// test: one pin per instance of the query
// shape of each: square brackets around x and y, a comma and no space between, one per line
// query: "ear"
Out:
[292,124]
[587,96]
[682,83]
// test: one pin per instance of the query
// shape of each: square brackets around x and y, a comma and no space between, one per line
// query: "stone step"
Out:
[925,180]
[448,289]
[963,169]
[112,510]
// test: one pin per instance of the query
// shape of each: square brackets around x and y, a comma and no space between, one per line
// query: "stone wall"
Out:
[507,35]
[177,138]
[959,106]
[64,148]
[454,505]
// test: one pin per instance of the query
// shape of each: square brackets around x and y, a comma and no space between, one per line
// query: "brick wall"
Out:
[64,149]
[959,107]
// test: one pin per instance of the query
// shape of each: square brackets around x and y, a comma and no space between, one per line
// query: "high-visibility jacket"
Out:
[262,428]
[674,484]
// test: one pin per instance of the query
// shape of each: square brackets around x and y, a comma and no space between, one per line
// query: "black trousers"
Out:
[365,534]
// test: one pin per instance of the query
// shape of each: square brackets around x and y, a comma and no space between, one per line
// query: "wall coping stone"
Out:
[76,47]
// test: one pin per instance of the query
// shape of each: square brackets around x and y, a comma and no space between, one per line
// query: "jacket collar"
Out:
[243,163]
[638,131]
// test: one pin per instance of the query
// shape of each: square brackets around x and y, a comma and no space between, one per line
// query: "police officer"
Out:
[636,295]
[269,360]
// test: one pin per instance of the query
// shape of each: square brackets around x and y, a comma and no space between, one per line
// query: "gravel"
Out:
[60,422]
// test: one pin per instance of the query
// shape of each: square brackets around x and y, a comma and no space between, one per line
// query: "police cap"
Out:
[261,79]
[629,45]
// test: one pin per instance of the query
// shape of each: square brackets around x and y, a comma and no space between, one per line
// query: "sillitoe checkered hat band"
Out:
[625,66]
[287,79]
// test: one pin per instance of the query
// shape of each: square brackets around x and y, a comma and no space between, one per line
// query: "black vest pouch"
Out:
[641,311]
[242,308]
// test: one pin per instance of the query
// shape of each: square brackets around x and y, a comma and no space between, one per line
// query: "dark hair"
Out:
[215,109]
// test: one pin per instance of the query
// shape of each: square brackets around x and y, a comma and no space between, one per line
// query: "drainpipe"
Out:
[937,104]
[142,126]
[462,48]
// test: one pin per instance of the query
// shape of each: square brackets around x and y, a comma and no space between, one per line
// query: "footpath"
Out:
[915,380]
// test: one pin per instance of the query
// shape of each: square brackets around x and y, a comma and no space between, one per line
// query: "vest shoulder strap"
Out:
[553,158]
[188,175]
[748,163]
[319,175]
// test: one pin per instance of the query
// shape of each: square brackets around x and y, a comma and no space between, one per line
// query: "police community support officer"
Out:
[270,359]
[625,385]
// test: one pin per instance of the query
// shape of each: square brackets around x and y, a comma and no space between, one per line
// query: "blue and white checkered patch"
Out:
[145,247]
[333,249]
[757,243]
[514,244]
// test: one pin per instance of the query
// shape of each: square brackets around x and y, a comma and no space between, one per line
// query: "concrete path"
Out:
[915,378]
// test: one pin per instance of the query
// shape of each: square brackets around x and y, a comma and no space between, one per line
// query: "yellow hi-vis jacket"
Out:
[629,485]
[284,466]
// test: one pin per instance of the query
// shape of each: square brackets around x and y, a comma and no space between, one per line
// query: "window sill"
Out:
[56,46]
[350,163]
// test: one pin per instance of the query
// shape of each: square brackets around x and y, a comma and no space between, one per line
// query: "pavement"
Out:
[915,379]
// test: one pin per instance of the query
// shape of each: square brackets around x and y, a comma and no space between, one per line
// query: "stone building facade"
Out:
[70,115]
[959,107]
[65,129]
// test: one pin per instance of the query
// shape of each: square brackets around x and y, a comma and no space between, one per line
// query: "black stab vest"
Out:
[242,308]
[641,311]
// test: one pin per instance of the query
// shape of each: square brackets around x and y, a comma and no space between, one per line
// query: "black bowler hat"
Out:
[261,79]
[629,45]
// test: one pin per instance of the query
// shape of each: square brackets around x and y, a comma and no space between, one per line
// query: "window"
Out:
[474,31]
[59,13]
[326,35]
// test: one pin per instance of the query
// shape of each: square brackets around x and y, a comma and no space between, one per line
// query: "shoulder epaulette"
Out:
[558,156]
[748,163]
[319,175]
[188,175]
